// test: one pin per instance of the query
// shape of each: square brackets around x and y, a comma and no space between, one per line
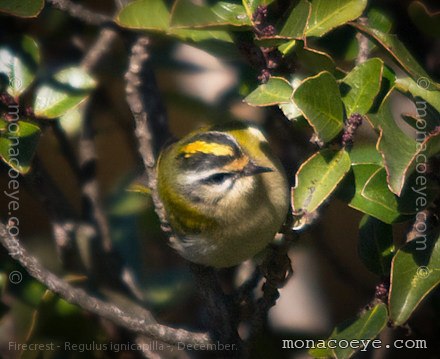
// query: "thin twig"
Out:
[93,210]
[151,128]
[79,12]
[92,205]
[363,42]
[142,324]
[99,49]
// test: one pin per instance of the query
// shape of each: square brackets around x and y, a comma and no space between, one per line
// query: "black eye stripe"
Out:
[218,178]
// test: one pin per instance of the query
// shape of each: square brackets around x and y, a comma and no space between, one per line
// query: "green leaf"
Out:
[326,15]
[154,15]
[22,8]
[428,23]
[185,14]
[145,14]
[351,192]
[408,85]
[295,25]
[317,178]
[399,53]
[409,202]
[415,273]
[320,101]
[376,20]
[277,90]
[400,159]
[314,60]
[18,142]
[72,120]
[365,153]
[70,87]
[290,109]
[19,64]
[376,246]
[364,83]
[366,327]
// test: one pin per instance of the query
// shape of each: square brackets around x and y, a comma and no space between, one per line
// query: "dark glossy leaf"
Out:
[376,246]
[415,273]
[351,192]
[18,141]
[315,61]
[320,101]
[19,62]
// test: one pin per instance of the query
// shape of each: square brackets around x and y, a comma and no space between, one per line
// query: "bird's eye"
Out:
[218,178]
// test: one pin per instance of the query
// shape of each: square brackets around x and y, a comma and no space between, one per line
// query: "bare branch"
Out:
[142,324]
[79,12]
[363,42]
[151,128]
[99,49]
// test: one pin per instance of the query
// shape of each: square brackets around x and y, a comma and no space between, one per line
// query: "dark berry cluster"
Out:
[351,125]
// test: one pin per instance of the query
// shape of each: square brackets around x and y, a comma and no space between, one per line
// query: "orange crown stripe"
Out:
[212,148]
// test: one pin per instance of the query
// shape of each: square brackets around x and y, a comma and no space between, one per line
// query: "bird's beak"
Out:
[252,169]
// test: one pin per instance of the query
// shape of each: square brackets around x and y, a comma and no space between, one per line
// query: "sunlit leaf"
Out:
[320,101]
[363,84]
[22,8]
[277,90]
[296,23]
[68,89]
[317,178]
[366,327]
[326,15]
[19,63]
[145,14]
[223,13]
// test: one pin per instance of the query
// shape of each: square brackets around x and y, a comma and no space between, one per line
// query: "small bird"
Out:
[224,192]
